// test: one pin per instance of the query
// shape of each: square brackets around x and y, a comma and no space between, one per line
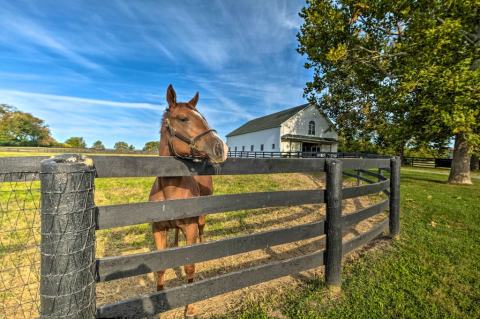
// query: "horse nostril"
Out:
[218,149]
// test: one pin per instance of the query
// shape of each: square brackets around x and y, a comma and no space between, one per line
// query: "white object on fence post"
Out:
[68,272]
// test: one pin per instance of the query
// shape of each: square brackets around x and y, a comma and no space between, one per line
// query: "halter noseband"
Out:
[191,142]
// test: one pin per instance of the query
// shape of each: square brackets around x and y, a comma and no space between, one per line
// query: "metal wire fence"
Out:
[68,238]
[19,245]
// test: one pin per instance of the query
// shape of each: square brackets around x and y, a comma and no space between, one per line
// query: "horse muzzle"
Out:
[219,152]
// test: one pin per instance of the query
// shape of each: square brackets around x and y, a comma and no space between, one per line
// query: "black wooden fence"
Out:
[427,162]
[262,154]
[69,269]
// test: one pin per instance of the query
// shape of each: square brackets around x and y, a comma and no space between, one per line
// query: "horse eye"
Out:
[183,119]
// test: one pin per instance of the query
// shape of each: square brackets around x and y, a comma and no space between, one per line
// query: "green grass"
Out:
[432,271]
[442,171]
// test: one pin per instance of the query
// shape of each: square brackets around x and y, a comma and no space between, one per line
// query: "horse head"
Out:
[188,134]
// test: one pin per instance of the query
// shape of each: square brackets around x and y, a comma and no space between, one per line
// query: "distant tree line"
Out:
[19,128]
[23,129]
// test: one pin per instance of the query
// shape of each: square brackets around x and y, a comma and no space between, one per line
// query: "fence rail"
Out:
[146,166]
[70,220]
[262,154]
[425,162]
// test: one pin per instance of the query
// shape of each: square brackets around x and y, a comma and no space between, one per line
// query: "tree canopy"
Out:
[76,142]
[22,129]
[397,73]
[121,145]
[98,145]
[151,146]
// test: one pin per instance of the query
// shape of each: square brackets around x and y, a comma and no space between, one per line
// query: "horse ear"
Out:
[171,96]
[193,102]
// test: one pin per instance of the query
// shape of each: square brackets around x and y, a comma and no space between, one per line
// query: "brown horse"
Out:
[184,134]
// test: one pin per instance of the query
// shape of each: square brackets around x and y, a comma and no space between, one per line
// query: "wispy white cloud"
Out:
[107,120]
[35,34]
[93,119]
[69,100]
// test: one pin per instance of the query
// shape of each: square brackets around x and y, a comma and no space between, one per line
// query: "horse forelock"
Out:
[188,106]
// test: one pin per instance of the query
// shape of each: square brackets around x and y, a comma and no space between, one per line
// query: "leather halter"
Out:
[191,142]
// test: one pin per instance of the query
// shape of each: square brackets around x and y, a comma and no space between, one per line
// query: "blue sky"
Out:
[99,69]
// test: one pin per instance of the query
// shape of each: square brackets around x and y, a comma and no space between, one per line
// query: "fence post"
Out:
[394,223]
[67,275]
[333,224]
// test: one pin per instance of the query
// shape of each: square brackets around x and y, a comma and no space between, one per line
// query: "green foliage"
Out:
[22,129]
[360,145]
[76,142]
[98,145]
[395,73]
[121,146]
[428,152]
[151,146]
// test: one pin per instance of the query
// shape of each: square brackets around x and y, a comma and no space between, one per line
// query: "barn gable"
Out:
[268,121]
[302,128]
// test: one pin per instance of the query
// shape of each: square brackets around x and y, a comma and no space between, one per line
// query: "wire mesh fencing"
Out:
[19,244]
[67,287]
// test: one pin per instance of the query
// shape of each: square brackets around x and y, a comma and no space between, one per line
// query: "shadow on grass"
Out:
[427,179]
[261,224]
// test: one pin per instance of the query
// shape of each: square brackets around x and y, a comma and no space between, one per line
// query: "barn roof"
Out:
[268,121]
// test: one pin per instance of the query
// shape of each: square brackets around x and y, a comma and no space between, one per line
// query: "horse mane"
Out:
[164,118]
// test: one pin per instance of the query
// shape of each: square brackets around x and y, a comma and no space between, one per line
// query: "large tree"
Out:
[22,129]
[397,73]
[441,65]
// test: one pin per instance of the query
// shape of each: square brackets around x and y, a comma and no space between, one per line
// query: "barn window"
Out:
[311,128]
[261,147]
[273,146]
[251,148]
[243,148]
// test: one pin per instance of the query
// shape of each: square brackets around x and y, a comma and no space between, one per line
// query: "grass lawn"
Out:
[432,271]
[442,171]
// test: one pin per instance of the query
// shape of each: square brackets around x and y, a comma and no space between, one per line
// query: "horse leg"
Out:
[191,235]
[160,237]
[201,226]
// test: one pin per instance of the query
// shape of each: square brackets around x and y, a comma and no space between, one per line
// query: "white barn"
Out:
[302,128]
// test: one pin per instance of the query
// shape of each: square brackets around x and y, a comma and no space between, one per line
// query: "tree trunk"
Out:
[460,171]
[474,163]
[401,152]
